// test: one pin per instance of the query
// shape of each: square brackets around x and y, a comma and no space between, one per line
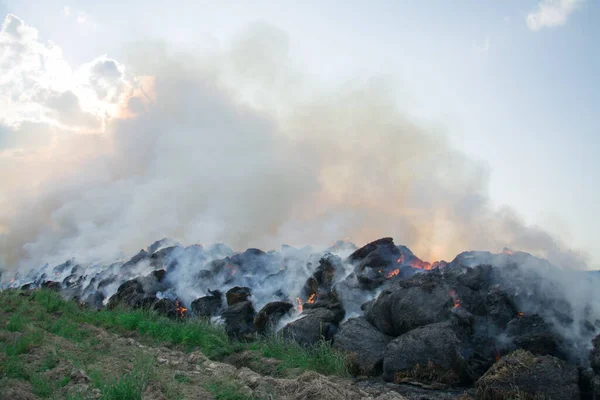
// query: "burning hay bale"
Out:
[410,320]
[170,308]
[315,325]
[364,344]
[522,375]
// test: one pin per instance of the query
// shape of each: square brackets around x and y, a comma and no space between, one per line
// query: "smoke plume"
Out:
[235,146]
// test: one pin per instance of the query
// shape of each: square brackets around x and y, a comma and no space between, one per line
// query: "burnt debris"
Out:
[463,322]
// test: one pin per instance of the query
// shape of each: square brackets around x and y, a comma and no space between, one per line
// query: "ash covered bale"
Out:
[237,294]
[239,319]
[209,305]
[523,375]
[315,325]
[268,317]
[430,353]
[139,257]
[364,344]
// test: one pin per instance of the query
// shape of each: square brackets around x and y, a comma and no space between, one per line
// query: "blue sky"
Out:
[521,99]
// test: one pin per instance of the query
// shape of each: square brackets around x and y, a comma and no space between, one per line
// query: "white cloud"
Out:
[551,13]
[38,86]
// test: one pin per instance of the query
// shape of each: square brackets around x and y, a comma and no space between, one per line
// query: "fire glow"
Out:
[456,300]
[393,273]
[299,304]
[180,310]
[424,265]
[311,299]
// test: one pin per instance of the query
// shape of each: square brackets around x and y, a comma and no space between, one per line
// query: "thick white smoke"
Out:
[237,146]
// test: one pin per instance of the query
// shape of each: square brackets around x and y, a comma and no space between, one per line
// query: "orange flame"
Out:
[519,314]
[456,301]
[12,280]
[180,310]
[311,299]
[299,304]
[393,273]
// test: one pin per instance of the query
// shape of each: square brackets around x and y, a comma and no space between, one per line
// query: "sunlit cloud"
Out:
[552,13]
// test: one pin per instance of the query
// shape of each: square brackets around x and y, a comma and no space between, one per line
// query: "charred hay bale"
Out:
[322,279]
[532,333]
[363,252]
[239,319]
[430,353]
[523,375]
[268,317]
[372,262]
[500,308]
[51,285]
[400,309]
[364,344]
[139,292]
[237,294]
[315,325]
[207,306]
[167,308]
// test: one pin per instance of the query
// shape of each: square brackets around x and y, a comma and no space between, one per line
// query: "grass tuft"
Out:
[227,391]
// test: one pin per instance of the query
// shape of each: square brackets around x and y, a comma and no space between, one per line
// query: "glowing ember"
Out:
[424,265]
[380,270]
[180,310]
[311,299]
[12,280]
[508,251]
[299,304]
[519,314]
[456,301]
[393,273]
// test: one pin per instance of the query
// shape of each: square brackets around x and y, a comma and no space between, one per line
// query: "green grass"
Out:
[226,391]
[181,378]
[49,311]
